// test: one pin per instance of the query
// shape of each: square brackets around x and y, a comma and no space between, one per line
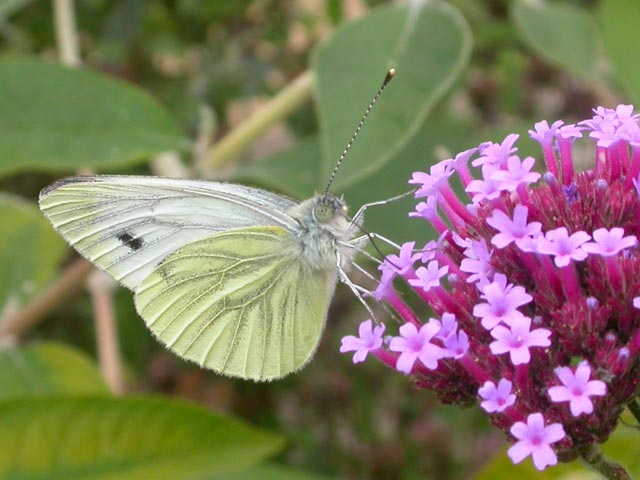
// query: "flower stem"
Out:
[225,151]
[596,461]
[71,280]
[634,407]
[66,33]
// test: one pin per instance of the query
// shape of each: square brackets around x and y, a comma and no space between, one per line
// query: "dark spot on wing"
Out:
[130,241]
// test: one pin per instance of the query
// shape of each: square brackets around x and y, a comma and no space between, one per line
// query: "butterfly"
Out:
[235,278]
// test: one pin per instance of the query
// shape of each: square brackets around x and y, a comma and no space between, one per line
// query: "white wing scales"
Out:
[127,224]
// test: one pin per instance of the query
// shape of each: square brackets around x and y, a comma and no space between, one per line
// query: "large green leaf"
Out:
[429,45]
[45,369]
[293,171]
[619,21]
[104,438]
[561,33]
[30,250]
[55,118]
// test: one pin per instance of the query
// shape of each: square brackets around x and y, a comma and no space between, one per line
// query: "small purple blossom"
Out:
[429,277]
[432,181]
[576,388]
[402,263]
[609,242]
[518,339]
[517,172]
[448,325]
[543,133]
[535,439]
[456,345]
[497,154]
[498,398]
[487,188]
[563,247]
[414,344]
[502,303]
[477,261]
[516,230]
[369,339]
[636,303]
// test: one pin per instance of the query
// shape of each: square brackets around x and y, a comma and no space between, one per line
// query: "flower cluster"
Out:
[533,285]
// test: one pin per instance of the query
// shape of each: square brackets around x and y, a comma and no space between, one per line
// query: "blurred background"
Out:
[266,93]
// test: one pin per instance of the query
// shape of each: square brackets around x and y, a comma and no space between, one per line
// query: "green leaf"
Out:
[619,21]
[293,171]
[560,33]
[428,43]
[47,368]
[104,438]
[55,118]
[30,250]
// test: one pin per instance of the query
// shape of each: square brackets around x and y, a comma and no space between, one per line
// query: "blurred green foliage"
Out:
[176,76]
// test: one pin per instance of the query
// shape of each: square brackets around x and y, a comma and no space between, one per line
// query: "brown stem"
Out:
[72,280]
[101,288]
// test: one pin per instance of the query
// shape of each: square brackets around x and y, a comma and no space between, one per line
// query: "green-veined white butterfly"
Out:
[235,278]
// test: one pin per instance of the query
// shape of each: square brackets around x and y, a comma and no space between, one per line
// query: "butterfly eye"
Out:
[323,213]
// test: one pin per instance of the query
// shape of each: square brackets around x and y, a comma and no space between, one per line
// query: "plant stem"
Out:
[66,33]
[597,462]
[634,408]
[101,287]
[69,282]
[225,151]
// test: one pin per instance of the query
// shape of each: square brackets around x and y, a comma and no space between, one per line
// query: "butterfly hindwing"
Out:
[126,225]
[240,302]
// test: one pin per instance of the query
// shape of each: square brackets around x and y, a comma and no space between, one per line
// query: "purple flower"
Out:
[535,439]
[502,303]
[517,172]
[487,188]
[477,262]
[543,133]
[609,242]
[403,262]
[516,230]
[496,398]
[385,285]
[370,339]
[576,388]
[563,247]
[414,344]
[432,181]
[456,345]
[497,154]
[429,277]
[564,293]
[518,339]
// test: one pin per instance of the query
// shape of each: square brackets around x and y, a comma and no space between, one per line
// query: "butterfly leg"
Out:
[364,207]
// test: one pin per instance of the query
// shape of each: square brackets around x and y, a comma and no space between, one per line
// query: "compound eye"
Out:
[323,213]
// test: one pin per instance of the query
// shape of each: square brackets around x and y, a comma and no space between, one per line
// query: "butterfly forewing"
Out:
[239,302]
[127,225]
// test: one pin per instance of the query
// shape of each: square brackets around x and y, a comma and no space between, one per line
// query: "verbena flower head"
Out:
[535,285]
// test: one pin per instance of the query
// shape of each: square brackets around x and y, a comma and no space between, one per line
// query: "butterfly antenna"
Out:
[385,82]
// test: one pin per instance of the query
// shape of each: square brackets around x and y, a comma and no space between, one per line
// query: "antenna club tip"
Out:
[390,74]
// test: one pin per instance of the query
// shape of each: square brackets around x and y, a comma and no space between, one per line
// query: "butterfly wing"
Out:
[240,302]
[126,225]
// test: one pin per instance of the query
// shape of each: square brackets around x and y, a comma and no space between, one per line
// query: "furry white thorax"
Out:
[319,241]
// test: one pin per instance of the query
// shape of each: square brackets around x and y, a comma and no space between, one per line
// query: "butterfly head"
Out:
[327,207]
